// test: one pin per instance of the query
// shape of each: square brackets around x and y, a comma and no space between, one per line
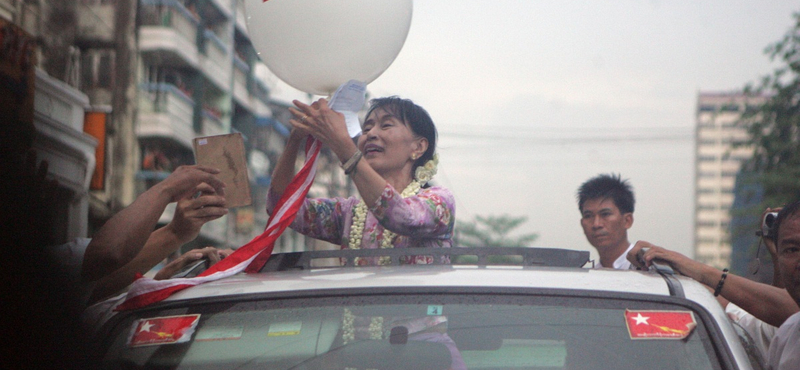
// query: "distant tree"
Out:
[770,177]
[493,231]
[774,127]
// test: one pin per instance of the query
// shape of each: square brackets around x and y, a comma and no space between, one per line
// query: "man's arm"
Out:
[768,303]
[123,236]
[190,215]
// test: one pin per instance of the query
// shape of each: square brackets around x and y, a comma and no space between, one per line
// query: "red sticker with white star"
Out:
[659,324]
[163,330]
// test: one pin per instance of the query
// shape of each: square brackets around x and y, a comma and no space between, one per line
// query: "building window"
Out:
[730,108]
[707,108]
[97,68]
[706,158]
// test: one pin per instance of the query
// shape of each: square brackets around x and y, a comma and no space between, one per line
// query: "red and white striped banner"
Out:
[251,257]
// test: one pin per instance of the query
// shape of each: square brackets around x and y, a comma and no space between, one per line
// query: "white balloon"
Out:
[317,45]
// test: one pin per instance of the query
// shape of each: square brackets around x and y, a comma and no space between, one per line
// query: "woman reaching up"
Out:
[391,165]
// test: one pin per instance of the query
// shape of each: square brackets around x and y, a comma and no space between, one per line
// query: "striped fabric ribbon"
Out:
[250,257]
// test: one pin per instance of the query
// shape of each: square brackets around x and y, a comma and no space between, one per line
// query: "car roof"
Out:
[538,268]
[427,276]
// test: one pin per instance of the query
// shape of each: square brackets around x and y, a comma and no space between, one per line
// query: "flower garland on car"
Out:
[422,175]
[375,328]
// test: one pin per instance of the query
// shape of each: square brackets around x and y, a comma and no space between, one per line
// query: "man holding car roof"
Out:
[771,304]
[606,203]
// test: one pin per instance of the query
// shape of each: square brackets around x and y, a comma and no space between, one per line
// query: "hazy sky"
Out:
[533,97]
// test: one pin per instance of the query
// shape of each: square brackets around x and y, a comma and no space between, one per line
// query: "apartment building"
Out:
[154,74]
[718,159]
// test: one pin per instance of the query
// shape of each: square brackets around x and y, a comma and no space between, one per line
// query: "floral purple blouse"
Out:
[424,220]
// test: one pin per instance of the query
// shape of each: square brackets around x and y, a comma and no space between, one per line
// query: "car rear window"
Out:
[416,332]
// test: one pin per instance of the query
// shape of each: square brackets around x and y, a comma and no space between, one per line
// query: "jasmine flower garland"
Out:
[375,328]
[422,175]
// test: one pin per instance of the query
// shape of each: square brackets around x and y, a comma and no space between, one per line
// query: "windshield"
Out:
[416,332]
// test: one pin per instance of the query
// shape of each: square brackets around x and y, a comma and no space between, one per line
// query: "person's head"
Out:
[606,203]
[787,244]
[397,135]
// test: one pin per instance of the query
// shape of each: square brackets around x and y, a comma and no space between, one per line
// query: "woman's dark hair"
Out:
[415,117]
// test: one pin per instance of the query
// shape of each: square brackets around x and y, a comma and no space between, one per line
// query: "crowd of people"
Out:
[392,164]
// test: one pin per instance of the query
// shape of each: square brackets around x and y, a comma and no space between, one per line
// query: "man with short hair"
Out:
[606,203]
[784,352]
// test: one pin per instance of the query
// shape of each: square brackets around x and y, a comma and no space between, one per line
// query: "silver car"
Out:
[536,309]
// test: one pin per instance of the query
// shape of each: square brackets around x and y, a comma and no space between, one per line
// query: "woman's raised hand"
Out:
[319,120]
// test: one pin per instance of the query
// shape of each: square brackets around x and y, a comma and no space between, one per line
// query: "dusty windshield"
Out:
[436,332]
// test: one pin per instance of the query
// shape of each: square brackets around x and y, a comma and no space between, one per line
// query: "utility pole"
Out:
[122,134]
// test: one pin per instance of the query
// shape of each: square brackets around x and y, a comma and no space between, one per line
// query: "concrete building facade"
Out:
[718,158]
[160,72]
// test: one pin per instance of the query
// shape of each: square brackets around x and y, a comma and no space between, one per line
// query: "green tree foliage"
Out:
[774,127]
[493,231]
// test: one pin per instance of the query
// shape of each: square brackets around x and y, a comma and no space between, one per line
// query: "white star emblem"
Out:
[146,326]
[641,319]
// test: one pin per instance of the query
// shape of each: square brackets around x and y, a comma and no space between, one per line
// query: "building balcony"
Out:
[167,112]
[8,9]
[241,18]
[241,81]
[212,124]
[223,9]
[168,33]
[216,63]
[261,109]
[260,90]
[58,117]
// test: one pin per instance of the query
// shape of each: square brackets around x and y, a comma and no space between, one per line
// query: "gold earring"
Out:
[414,157]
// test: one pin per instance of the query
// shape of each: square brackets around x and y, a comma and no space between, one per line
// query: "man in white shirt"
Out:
[606,203]
[784,352]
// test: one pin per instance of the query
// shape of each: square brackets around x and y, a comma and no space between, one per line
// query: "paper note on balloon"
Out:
[348,100]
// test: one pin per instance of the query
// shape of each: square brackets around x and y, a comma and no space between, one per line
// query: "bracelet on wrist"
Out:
[350,166]
[721,283]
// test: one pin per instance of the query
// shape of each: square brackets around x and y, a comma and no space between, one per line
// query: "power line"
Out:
[565,135]
[529,127]
[495,139]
